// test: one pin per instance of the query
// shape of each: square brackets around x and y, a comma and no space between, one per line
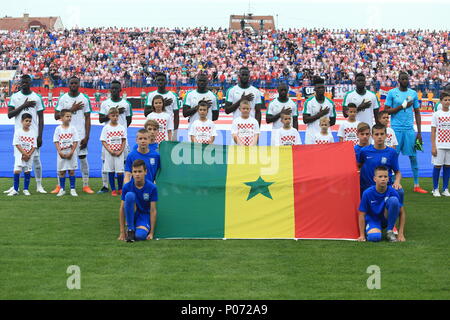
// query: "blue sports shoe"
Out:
[103,190]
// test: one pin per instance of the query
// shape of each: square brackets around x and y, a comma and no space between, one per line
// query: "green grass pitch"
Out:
[42,235]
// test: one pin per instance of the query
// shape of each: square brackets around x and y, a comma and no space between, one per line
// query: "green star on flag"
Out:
[259,186]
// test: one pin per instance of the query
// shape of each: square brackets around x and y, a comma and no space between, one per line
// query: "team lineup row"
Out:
[201,106]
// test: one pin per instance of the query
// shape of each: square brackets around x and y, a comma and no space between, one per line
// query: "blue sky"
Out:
[399,14]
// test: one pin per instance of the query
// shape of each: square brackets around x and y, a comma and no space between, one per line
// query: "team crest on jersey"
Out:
[146,196]
[383,160]
[152,161]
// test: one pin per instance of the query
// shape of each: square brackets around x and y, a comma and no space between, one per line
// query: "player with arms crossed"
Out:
[27,101]
[138,206]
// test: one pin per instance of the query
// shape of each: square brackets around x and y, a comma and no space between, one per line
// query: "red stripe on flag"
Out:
[326,191]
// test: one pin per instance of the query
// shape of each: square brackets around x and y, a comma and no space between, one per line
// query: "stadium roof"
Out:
[26,22]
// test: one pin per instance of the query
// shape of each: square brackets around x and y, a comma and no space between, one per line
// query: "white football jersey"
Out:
[18,99]
[235,93]
[366,115]
[312,107]
[78,121]
[275,107]
[192,98]
[122,103]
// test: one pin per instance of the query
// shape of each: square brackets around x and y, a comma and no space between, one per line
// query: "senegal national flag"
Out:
[214,191]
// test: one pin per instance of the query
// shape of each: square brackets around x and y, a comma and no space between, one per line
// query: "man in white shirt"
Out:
[27,101]
[366,101]
[244,91]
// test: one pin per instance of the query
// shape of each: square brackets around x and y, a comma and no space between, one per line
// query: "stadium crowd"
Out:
[136,55]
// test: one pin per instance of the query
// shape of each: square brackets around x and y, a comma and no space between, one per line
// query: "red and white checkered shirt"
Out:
[165,122]
[25,139]
[66,137]
[323,139]
[245,129]
[283,137]
[202,131]
[113,136]
[348,131]
[441,121]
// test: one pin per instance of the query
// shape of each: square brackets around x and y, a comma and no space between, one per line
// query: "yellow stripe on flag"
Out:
[259,193]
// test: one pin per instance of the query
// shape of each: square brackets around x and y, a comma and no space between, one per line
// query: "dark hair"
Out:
[379,126]
[203,104]
[444,94]
[359,74]
[160,74]
[381,113]
[162,99]
[139,163]
[401,73]
[26,116]
[63,112]
[381,168]
[116,82]
[352,105]
[285,113]
[25,76]
[244,68]
[318,80]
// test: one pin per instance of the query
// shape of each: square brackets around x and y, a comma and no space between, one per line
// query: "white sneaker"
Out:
[9,190]
[446,193]
[73,193]
[40,189]
[61,193]
[13,193]
[436,193]
[26,192]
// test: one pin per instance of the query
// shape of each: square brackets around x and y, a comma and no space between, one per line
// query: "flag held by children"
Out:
[237,192]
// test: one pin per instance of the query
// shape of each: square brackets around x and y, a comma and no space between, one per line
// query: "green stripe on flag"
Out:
[190,172]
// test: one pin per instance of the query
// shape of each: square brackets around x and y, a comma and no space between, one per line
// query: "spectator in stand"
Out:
[102,54]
